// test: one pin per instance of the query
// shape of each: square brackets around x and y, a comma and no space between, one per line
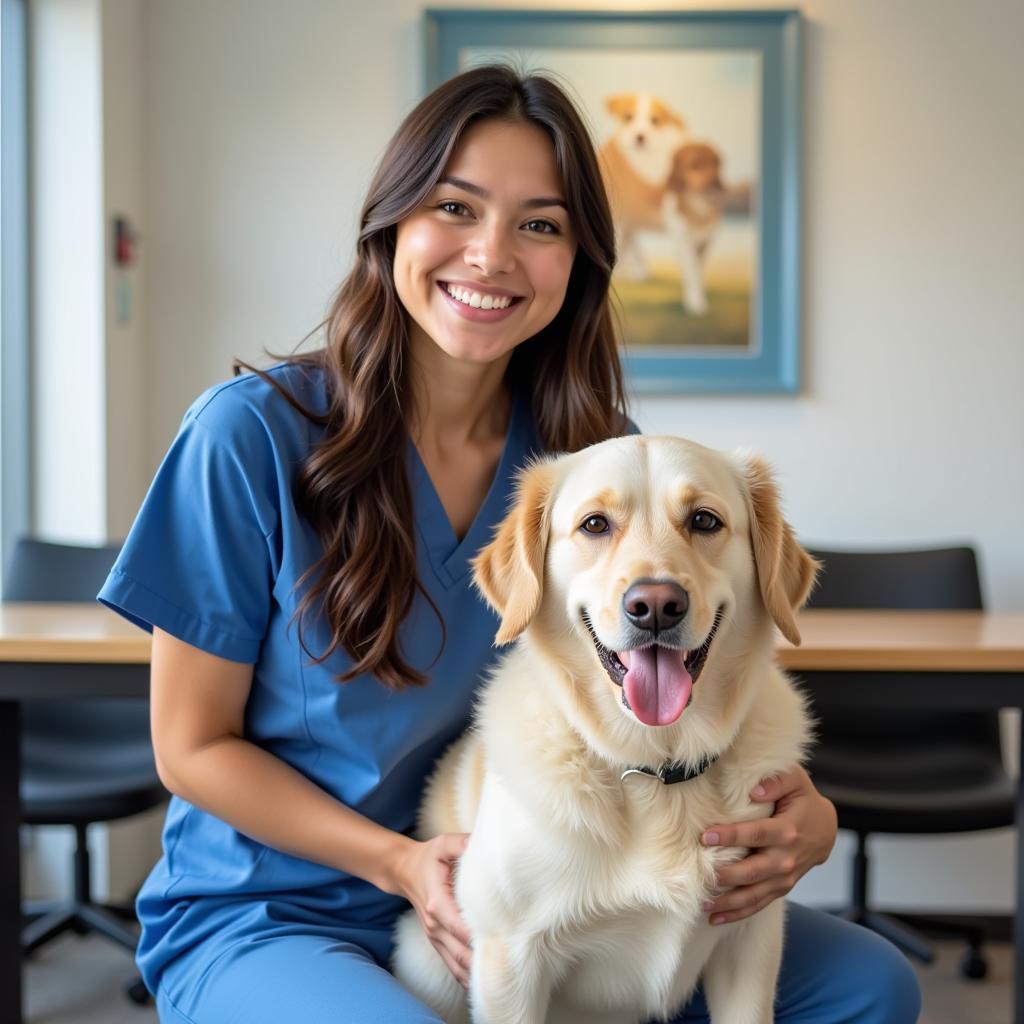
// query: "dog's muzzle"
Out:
[656,679]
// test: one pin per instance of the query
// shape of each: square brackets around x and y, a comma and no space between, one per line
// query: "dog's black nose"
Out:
[655,605]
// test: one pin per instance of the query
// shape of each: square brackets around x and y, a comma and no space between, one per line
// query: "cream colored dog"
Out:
[641,580]
[637,162]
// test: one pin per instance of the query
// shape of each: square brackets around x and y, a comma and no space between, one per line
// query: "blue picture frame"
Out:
[771,363]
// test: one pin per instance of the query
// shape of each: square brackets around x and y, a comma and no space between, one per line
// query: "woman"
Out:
[302,560]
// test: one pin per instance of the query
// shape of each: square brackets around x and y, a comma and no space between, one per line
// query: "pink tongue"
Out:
[657,684]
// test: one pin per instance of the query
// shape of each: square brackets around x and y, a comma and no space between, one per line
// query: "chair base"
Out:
[50,920]
[896,932]
[902,934]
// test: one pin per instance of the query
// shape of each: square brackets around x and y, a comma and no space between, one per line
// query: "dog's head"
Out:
[645,122]
[646,556]
[696,167]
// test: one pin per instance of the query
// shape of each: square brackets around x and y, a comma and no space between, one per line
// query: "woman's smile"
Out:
[479,306]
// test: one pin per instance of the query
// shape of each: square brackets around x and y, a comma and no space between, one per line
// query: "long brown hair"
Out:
[354,486]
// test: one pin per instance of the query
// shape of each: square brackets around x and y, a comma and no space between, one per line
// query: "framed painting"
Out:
[696,119]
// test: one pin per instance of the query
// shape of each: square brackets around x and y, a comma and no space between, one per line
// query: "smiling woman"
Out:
[313,526]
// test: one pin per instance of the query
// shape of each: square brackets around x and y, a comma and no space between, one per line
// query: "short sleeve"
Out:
[199,560]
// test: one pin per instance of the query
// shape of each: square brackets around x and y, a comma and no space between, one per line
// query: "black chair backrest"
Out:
[935,579]
[48,572]
[940,578]
[43,571]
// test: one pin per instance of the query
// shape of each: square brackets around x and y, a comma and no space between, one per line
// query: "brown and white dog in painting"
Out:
[692,209]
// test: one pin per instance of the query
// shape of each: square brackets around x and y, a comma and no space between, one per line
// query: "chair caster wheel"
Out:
[973,965]
[137,992]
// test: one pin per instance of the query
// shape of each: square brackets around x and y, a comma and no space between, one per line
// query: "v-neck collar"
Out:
[448,555]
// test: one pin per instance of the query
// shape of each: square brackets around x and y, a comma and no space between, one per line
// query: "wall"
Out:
[124,83]
[261,131]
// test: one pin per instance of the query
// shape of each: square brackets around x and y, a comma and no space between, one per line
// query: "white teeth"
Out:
[476,299]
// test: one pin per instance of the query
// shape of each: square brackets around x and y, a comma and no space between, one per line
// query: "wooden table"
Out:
[56,651]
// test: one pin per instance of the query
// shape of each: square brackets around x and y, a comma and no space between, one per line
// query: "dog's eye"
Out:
[594,524]
[704,521]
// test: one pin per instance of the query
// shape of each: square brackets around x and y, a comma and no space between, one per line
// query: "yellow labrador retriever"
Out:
[642,580]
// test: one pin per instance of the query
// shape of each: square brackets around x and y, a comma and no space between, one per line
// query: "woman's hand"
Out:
[783,848]
[424,875]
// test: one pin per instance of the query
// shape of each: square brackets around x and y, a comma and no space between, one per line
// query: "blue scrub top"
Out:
[213,559]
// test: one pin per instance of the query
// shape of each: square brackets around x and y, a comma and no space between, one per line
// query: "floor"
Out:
[78,981]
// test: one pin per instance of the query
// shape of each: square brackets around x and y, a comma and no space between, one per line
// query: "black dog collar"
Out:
[674,771]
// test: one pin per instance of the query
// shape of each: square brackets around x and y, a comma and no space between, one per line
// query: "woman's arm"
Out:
[197,711]
[783,848]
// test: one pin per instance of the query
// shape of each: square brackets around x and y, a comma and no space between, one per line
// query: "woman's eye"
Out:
[542,227]
[595,524]
[452,207]
[704,521]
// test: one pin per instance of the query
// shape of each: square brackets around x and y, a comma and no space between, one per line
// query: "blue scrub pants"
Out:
[833,972]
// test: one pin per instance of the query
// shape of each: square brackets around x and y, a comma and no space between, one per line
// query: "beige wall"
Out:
[124,86]
[260,129]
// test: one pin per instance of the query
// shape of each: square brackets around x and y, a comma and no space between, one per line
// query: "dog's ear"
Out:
[677,175]
[621,105]
[785,572]
[665,113]
[509,572]
[717,159]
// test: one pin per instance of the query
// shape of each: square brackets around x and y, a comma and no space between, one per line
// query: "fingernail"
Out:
[758,790]
[708,904]
[718,919]
[711,838]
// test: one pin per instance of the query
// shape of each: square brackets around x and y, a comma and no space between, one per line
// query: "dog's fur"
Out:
[584,889]
[659,179]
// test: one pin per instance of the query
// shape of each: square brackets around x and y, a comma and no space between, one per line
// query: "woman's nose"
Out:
[490,251]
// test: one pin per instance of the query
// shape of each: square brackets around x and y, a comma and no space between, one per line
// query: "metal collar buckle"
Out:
[673,771]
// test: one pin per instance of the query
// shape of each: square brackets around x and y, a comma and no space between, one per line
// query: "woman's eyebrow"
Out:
[528,204]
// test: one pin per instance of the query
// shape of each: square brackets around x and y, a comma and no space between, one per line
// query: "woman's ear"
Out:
[509,572]
[785,572]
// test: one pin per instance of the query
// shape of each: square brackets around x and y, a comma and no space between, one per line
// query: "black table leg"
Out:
[10,866]
[1018,917]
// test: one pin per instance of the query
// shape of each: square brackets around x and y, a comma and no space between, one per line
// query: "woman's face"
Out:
[484,263]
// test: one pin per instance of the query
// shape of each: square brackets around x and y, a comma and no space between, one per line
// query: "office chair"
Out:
[921,771]
[82,761]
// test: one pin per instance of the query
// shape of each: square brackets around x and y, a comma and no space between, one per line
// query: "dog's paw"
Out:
[695,305]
